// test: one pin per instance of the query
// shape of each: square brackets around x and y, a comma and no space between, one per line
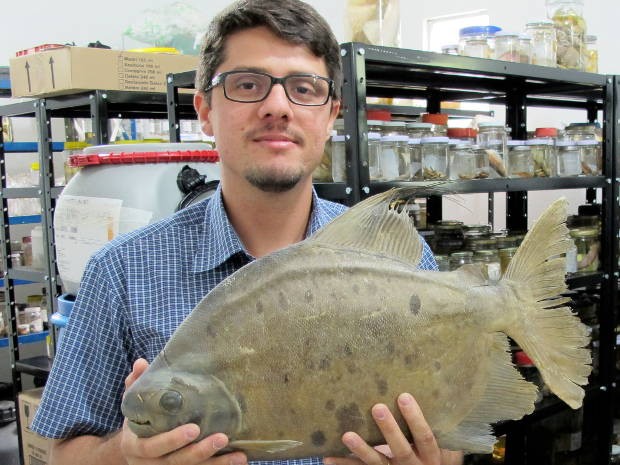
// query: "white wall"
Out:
[27,24]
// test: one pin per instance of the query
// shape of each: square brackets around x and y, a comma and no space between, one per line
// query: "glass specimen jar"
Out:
[591,157]
[462,160]
[507,47]
[543,43]
[591,54]
[374,155]
[570,31]
[543,156]
[568,158]
[520,161]
[493,137]
[434,152]
[339,173]
[375,22]
[415,153]
[394,161]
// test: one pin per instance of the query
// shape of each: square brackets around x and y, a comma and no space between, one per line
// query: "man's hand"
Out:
[398,450]
[174,447]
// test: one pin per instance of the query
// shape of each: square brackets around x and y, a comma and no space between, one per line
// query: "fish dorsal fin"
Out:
[375,226]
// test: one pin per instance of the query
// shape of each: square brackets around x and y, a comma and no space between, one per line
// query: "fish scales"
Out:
[298,346]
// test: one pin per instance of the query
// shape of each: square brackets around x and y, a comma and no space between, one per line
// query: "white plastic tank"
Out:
[120,188]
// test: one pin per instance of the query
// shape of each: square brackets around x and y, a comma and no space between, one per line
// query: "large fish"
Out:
[295,348]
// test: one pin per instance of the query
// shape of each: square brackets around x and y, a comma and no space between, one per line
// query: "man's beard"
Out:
[273,182]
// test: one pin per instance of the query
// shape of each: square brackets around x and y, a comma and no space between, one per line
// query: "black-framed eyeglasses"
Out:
[253,86]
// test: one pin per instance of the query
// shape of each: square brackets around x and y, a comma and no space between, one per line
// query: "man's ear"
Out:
[203,110]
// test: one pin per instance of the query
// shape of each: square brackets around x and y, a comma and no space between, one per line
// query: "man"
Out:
[268,90]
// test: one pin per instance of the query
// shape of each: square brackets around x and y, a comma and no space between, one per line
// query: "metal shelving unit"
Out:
[99,106]
[373,71]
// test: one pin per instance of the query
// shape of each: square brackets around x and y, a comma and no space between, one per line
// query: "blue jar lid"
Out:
[479,30]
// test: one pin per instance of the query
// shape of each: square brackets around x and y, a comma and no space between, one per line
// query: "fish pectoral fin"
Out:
[271,447]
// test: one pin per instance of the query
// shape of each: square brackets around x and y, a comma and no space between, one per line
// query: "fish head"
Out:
[164,398]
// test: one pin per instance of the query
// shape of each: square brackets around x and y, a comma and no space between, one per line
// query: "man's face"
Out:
[273,144]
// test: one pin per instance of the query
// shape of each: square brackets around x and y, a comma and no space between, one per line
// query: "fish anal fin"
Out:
[507,396]
[270,447]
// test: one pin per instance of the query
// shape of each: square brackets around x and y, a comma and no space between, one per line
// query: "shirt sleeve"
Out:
[84,389]
[427,262]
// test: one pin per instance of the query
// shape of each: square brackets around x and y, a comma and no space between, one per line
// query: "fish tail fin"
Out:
[545,328]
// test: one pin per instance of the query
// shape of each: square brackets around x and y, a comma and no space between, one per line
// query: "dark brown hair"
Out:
[292,20]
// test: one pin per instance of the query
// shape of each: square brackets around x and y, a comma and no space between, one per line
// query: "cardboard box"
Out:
[69,69]
[34,447]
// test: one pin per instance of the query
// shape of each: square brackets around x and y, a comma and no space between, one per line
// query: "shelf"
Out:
[585,280]
[27,219]
[36,366]
[392,72]
[482,186]
[17,282]
[30,147]
[26,274]
[26,338]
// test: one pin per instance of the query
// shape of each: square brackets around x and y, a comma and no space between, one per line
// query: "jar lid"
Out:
[584,232]
[375,122]
[566,143]
[490,124]
[338,138]
[506,34]
[395,138]
[546,132]
[587,142]
[462,253]
[435,140]
[435,118]
[374,136]
[539,23]
[418,125]
[479,30]
[377,114]
[462,132]
[414,141]
[539,141]
[449,224]
[514,142]
[394,124]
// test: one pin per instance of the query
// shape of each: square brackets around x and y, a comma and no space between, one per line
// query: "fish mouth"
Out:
[141,428]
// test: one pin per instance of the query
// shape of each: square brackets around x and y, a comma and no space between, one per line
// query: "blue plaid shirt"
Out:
[134,293]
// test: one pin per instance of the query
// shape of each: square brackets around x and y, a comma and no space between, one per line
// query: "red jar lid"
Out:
[546,132]
[381,115]
[462,133]
[522,359]
[435,118]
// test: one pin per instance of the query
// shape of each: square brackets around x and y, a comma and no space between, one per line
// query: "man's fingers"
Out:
[423,438]
[139,367]
[399,448]
[360,448]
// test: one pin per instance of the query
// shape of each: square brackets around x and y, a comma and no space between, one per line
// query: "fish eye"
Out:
[171,401]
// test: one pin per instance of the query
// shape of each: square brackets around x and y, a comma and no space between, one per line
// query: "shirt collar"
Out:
[220,241]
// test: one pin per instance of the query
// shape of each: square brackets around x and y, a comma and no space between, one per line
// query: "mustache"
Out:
[270,128]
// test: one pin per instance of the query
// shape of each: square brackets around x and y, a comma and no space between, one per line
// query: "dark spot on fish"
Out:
[349,418]
[211,331]
[352,368]
[356,289]
[286,378]
[318,438]
[414,304]
[282,300]
[435,393]
[410,359]
[330,405]
[436,365]
[308,296]
[390,348]
[324,364]
[347,350]
[242,404]
[260,307]
[382,386]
